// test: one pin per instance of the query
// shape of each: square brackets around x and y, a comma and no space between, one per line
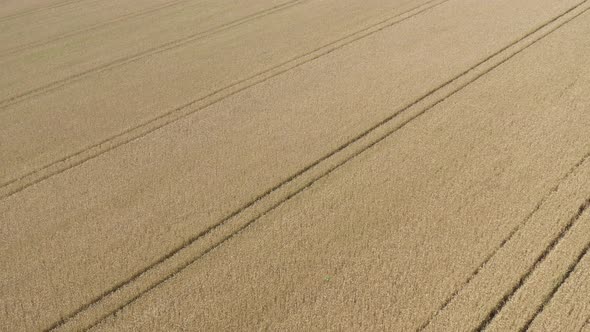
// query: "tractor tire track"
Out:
[530,215]
[561,281]
[35,10]
[513,232]
[372,142]
[52,86]
[93,27]
[508,296]
[40,174]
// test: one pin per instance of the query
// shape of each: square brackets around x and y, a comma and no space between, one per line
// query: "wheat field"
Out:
[294,165]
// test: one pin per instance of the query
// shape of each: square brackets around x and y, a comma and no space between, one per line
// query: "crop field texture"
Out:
[294,165]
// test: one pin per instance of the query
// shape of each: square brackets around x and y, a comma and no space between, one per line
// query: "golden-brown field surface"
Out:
[403,165]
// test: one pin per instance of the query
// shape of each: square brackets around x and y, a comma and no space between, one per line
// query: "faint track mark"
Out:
[10,101]
[93,27]
[35,10]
